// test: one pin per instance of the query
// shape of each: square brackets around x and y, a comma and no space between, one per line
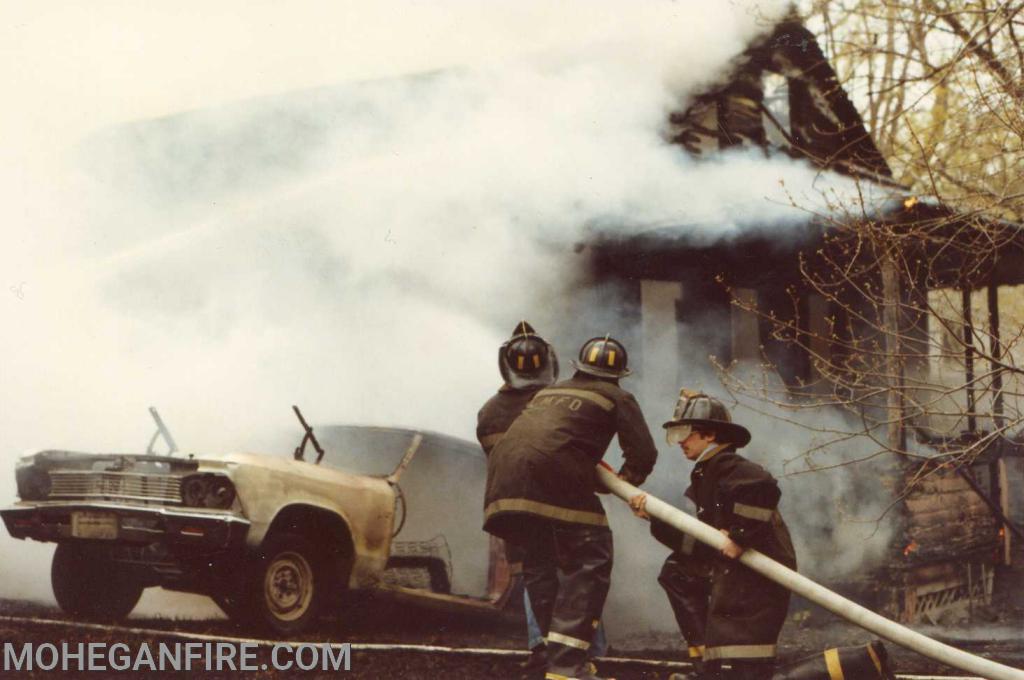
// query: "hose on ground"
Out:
[805,587]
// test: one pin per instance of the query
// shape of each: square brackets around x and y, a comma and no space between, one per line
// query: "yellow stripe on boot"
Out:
[835,669]
[568,641]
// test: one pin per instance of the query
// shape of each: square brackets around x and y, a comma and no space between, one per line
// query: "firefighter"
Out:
[541,484]
[728,614]
[527,363]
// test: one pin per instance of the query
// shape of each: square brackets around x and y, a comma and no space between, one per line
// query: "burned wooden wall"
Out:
[806,114]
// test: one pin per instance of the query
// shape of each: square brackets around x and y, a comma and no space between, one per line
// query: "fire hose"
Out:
[818,594]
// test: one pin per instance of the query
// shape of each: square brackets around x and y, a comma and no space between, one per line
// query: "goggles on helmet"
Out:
[677,434]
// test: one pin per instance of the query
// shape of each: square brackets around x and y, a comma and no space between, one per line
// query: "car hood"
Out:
[280,465]
[150,464]
[107,462]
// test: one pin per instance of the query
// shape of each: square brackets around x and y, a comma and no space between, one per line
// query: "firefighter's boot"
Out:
[687,584]
[702,670]
[750,670]
[584,574]
[536,665]
[867,662]
[588,674]
[699,672]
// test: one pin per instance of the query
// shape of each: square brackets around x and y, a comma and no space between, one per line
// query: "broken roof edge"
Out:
[765,255]
[792,50]
[841,203]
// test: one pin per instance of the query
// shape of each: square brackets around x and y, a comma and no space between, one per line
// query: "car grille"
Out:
[124,486]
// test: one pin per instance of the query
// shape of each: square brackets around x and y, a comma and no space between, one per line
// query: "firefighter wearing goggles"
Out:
[725,611]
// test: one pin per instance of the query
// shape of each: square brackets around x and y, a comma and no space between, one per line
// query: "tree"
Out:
[911,315]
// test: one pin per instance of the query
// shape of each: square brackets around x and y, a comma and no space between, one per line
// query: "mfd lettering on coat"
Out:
[572,403]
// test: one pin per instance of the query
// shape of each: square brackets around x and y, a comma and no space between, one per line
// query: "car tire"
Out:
[289,584]
[87,583]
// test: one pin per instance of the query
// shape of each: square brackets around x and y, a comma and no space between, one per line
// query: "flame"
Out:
[911,547]
[910,202]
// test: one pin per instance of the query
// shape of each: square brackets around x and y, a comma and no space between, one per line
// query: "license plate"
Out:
[93,525]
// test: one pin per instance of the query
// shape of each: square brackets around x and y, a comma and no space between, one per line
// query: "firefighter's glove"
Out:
[731,549]
[638,504]
[627,475]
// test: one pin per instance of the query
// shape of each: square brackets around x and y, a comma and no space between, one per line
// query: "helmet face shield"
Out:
[696,409]
[677,434]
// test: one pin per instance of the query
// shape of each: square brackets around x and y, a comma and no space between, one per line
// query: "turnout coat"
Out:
[494,418]
[500,412]
[544,465]
[744,610]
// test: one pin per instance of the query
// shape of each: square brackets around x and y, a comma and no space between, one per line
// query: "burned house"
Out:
[776,294]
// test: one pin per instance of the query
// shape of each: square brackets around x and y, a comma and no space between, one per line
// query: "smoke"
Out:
[360,250]
[834,497]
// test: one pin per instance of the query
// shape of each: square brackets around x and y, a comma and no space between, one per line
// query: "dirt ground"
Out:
[383,622]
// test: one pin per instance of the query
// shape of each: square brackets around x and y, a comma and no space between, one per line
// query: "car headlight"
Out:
[33,482]
[207,491]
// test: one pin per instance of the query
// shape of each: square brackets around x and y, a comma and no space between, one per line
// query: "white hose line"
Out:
[374,647]
[803,586]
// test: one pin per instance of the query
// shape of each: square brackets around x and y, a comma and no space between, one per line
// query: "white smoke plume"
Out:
[837,514]
[360,250]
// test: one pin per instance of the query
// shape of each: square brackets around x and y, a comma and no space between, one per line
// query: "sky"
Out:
[120,61]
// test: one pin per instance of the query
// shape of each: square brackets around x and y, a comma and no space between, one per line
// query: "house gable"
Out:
[783,94]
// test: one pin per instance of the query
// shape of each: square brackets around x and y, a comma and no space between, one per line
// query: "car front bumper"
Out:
[137,525]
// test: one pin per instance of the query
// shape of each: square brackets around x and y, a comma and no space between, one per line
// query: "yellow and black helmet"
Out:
[604,357]
[526,358]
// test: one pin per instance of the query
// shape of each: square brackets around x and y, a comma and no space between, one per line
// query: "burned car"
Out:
[273,540]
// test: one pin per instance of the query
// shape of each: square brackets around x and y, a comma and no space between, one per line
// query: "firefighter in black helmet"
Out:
[603,358]
[541,484]
[527,364]
[727,612]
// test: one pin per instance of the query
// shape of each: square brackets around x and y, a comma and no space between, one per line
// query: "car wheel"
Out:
[290,583]
[86,582]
